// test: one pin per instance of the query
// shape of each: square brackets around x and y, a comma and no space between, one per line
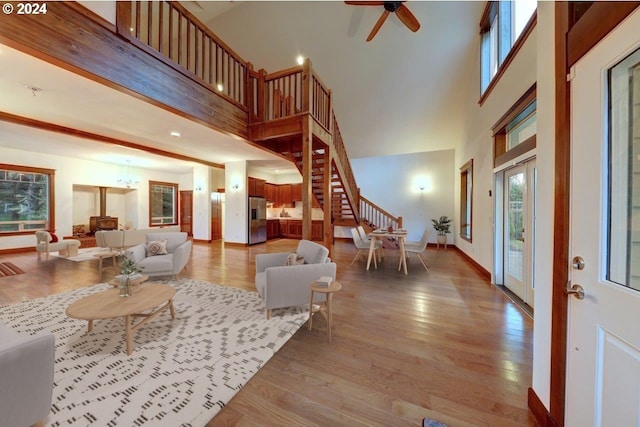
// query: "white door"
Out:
[519,220]
[603,346]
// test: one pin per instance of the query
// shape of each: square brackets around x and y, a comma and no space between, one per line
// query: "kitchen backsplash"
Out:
[293,213]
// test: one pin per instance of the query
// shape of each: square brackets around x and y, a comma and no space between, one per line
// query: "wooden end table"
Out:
[108,254]
[326,310]
[146,301]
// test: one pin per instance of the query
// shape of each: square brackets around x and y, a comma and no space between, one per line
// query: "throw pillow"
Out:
[157,247]
[294,259]
[54,238]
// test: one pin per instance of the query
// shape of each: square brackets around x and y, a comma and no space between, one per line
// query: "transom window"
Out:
[26,199]
[502,24]
[163,203]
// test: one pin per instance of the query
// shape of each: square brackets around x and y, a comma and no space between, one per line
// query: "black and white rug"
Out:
[181,372]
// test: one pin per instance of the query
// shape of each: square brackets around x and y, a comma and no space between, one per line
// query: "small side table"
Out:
[325,310]
[102,255]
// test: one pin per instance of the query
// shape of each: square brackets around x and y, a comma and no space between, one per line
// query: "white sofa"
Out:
[120,239]
[287,286]
[171,264]
[26,376]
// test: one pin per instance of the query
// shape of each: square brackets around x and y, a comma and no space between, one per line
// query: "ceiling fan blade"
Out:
[376,27]
[408,18]
[365,3]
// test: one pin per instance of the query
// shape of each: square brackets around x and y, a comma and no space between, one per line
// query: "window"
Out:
[26,199]
[501,26]
[515,133]
[466,199]
[163,203]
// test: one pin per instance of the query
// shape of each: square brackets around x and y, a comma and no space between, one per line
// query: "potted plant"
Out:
[442,226]
[128,268]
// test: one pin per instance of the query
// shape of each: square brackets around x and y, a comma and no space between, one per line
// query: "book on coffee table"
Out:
[324,281]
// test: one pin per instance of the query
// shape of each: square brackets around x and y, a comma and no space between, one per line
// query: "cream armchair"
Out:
[287,286]
[169,264]
[66,248]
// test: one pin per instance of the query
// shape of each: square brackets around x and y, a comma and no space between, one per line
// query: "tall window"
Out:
[26,199]
[163,203]
[466,199]
[500,28]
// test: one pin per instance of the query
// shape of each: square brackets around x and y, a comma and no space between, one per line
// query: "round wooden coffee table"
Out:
[146,301]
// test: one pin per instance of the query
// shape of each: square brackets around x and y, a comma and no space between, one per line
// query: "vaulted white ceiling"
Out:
[401,93]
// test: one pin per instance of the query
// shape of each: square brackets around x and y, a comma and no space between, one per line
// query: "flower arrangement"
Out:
[128,267]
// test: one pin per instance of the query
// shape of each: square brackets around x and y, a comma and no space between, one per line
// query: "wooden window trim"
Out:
[52,199]
[175,207]
[466,169]
[517,45]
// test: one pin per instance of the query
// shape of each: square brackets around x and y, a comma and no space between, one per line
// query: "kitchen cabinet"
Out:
[296,193]
[284,196]
[270,192]
[292,229]
[255,187]
[273,229]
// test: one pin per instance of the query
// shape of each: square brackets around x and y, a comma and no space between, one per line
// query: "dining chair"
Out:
[367,240]
[418,248]
[363,247]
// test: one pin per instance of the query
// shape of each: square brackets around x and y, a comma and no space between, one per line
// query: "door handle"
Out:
[575,290]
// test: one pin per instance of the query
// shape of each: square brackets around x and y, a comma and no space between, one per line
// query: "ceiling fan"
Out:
[403,13]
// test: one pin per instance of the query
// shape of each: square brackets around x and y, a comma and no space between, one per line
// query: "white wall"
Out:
[236,203]
[392,182]
[105,9]
[545,203]
[72,172]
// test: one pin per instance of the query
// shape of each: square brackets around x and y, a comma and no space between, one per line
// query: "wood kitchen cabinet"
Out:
[316,230]
[273,229]
[284,196]
[256,187]
[296,193]
[270,192]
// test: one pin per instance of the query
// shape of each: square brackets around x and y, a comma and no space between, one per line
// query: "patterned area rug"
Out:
[181,372]
[9,269]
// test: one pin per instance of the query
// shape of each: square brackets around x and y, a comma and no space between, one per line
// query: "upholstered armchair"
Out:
[161,263]
[66,248]
[26,376]
[282,285]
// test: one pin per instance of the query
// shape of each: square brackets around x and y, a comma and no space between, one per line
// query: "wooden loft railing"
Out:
[167,30]
[376,217]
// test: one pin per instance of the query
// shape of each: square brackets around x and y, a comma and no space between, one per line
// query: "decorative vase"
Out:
[125,286]
[442,240]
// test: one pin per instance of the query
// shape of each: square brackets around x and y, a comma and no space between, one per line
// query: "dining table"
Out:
[379,234]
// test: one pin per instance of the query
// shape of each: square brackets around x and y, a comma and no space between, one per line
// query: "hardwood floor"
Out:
[445,344]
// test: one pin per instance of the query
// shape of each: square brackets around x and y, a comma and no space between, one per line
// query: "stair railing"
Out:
[376,217]
[166,30]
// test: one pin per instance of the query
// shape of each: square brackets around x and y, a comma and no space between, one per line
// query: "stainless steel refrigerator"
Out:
[257,220]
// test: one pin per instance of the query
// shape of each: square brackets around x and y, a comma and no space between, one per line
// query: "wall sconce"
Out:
[198,188]
[421,188]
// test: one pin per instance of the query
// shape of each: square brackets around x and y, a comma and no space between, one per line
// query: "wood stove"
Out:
[103,221]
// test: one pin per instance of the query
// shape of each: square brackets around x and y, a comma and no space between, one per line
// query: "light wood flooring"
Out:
[445,344]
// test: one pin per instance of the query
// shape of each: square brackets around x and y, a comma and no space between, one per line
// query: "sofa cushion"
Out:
[294,259]
[156,264]
[174,239]
[313,253]
[157,247]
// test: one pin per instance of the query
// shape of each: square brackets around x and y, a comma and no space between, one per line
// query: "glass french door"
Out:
[519,223]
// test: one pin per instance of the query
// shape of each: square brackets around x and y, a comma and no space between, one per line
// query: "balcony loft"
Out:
[159,52]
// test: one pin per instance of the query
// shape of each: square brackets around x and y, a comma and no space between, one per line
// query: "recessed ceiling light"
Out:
[175,134]
[300,59]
